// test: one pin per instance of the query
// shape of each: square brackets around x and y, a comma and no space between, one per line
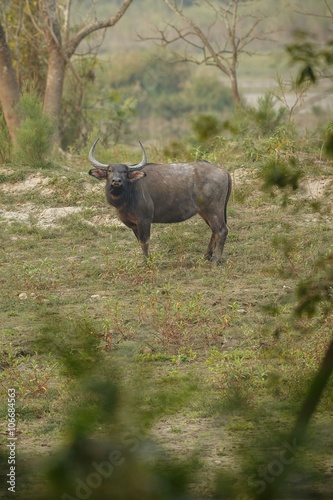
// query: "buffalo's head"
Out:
[116,175]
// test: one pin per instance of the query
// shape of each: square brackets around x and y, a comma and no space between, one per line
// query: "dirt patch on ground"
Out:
[106,219]
[50,217]
[197,435]
[32,182]
[243,175]
[316,188]
[45,218]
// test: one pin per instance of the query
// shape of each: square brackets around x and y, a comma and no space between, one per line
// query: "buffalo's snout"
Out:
[116,182]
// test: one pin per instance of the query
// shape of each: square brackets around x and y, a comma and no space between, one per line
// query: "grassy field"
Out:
[191,375]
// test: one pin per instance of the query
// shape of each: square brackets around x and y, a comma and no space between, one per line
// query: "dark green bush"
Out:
[205,127]
[5,144]
[259,121]
[208,94]
[34,137]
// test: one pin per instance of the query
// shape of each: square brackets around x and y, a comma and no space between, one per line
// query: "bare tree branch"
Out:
[32,18]
[200,34]
[222,53]
[66,13]
[75,41]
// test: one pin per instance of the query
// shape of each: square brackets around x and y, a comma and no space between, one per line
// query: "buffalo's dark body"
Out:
[168,193]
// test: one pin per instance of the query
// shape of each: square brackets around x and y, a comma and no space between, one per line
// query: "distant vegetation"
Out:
[120,88]
[144,15]
[134,89]
[164,92]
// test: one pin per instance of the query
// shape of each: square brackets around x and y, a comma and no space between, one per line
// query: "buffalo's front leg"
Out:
[142,233]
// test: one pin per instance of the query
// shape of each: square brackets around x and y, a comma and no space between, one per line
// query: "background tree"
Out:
[52,20]
[314,61]
[9,88]
[26,42]
[314,57]
[235,28]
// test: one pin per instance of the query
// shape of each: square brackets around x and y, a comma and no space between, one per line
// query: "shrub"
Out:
[328,142]
[205,127]
[4,141]
[121,111]
[207,94]
[34,137]
[260,121]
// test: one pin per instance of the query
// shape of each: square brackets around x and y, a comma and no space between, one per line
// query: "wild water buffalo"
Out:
[151,192]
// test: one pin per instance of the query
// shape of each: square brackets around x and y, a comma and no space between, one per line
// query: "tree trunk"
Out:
[9,87]
[56,62]
[234,88]
[60,54]
[54,86]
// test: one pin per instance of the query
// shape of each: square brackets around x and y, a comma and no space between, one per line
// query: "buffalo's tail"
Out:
[227,197]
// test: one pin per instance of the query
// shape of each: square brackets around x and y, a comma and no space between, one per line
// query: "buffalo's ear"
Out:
[99,173]
[136,175]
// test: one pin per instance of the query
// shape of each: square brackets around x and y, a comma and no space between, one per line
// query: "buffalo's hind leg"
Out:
[219,242]
[210,249]
[218,238]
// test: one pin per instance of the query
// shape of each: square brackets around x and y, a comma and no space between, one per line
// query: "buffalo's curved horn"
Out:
[94,162]
[142,163]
